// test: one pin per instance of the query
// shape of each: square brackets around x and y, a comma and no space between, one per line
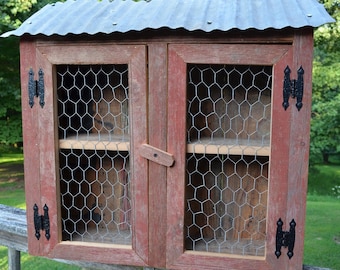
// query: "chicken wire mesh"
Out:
[93,125]
[228,134]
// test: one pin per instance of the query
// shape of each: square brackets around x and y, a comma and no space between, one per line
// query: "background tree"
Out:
[325,129]
[12,14]
[325,126]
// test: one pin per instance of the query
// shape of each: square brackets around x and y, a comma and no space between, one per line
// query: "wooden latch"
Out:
[156,155]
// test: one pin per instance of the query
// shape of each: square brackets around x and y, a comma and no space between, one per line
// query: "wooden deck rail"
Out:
[13,234]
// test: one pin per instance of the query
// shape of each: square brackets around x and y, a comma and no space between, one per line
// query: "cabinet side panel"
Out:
[48,145]
[299,146]
[31,143]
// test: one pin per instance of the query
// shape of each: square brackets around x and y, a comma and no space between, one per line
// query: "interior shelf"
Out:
[96,142]
[230,146]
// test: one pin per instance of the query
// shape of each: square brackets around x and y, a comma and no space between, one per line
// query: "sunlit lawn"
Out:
[12,193]
[322,232]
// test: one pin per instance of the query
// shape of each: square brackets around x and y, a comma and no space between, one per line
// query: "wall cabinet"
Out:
[173,154]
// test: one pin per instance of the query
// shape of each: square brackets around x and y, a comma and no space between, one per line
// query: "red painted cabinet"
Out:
[173,154]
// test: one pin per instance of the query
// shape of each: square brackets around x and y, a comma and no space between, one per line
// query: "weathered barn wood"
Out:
[166,138]
[13,234]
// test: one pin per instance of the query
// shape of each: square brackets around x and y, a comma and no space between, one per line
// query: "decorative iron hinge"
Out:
[285,238]
[293,88]
[36,88]
[41,222]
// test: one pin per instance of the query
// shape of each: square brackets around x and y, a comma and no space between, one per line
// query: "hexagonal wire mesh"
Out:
[93,124]
[228,133]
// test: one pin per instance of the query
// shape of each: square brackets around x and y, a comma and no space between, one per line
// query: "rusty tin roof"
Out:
[94,16]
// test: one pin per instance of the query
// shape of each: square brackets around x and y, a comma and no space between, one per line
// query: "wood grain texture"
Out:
[31,141]
[157,128]
[88,53]
[48,140]
[176,140]
[278,174]
[97,253]
[223,147]
[299,144]
[139,166]
[233,54]
[156,155]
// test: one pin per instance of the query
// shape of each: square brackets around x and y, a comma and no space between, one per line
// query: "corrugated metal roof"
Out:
[94,16]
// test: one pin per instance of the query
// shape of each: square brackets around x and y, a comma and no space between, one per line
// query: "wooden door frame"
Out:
[30,141]
[277,56]
[47,56]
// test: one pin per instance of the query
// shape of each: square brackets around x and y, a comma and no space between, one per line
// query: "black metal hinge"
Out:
[36,88]
[285,238]
[293,88]
[41,222]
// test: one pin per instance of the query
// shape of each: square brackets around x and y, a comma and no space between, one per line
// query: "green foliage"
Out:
[327,36]
[325,124]
[12,14]
[325,128]
[10,108]
[323,178]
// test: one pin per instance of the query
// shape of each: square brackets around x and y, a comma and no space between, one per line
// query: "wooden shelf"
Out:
[230,147]
[96,142]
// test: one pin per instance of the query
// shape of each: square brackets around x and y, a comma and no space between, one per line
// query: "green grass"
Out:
[322,232]
[322,178]
[13,198]
[12,193]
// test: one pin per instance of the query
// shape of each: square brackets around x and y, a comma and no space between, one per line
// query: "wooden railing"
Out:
[13,234]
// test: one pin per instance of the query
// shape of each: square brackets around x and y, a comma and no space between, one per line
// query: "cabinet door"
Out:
[90,176]
[230,136]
